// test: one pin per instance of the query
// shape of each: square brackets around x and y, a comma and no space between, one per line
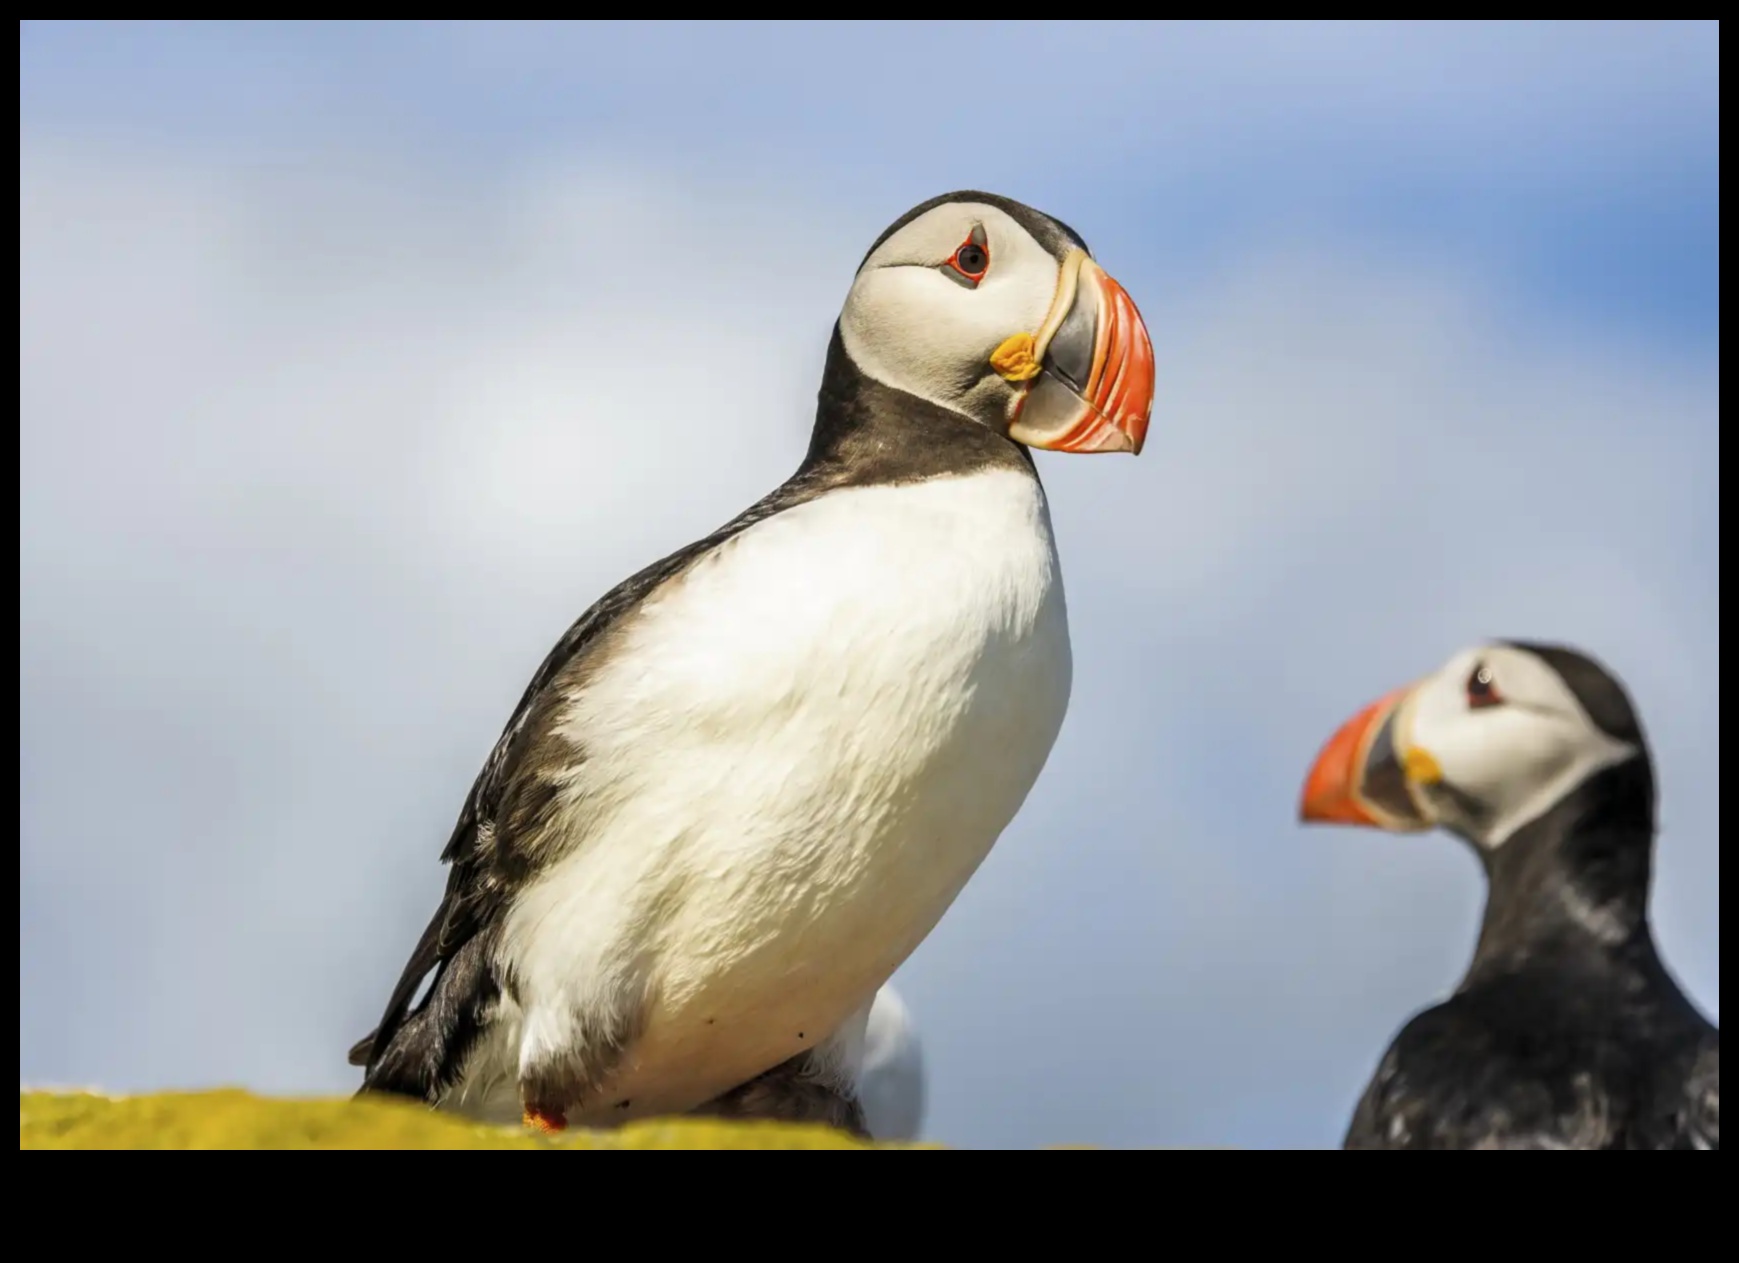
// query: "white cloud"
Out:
[317,464]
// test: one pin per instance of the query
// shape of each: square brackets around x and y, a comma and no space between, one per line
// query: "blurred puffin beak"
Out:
[1087,374]
[1365,776]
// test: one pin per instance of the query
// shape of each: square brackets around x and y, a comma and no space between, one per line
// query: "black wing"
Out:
[1453,1079]
[419,1052]
[1436,1088]
[1390,1111]
[1697,1123]
[1478,1073]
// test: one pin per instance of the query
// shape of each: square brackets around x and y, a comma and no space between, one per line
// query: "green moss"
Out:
[233,1119]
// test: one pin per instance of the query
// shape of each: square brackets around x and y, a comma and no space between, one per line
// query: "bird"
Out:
[891,1083]
[751,778]
[1567,1031]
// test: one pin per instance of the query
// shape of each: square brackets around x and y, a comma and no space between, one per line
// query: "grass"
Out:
[230,1118]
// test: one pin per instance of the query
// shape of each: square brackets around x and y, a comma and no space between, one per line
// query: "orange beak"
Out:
[1094,388]
[1357,778]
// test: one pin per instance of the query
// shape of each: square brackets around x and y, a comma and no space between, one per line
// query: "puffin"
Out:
[747,782]
[1567,1030]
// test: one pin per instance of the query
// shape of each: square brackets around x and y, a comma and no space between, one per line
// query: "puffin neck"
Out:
[1573,886]
[867,432]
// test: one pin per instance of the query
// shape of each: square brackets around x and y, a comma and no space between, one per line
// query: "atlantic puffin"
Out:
[1568,1031]
[751,778]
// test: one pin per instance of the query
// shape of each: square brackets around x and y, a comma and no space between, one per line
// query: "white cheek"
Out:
[1499,755]
[915,330]
[1430,717]
[1016,297]
[911,330]
[1520,763]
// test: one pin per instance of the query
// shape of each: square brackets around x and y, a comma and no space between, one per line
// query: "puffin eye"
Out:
[972,260]
[1481,689]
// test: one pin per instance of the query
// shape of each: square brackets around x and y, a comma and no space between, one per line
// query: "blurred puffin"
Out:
[749,781]
[1567,1031]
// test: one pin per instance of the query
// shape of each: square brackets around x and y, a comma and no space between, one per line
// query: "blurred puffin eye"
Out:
[1481,689]
[972,260]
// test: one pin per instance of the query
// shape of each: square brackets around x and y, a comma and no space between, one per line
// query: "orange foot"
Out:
[547,1121]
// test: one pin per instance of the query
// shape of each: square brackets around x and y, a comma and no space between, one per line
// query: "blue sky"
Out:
[315,316]
[1576,159]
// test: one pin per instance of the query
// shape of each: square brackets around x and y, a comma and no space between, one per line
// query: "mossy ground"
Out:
[234,1119]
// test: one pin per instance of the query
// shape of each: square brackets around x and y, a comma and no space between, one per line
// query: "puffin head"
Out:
[992,310]
[1489,742]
